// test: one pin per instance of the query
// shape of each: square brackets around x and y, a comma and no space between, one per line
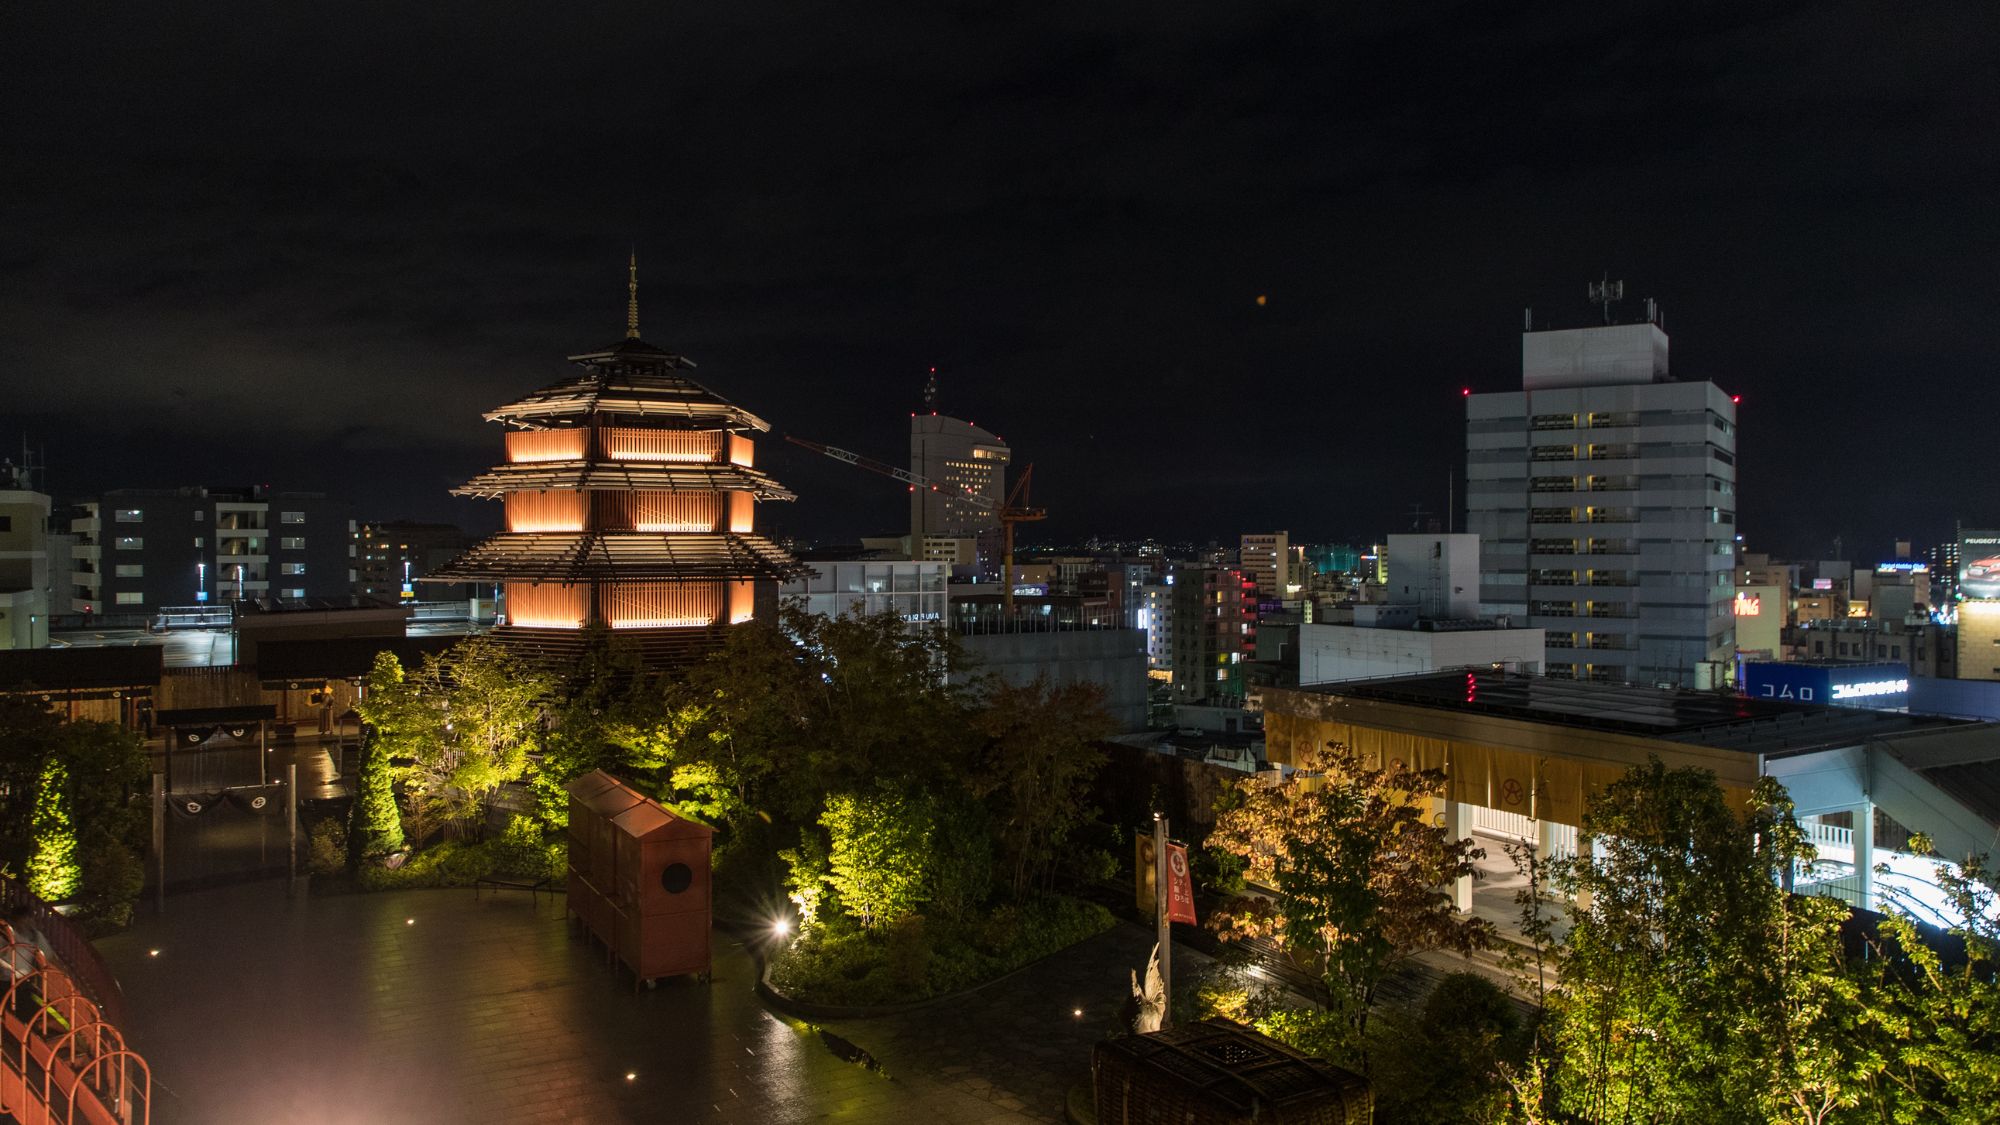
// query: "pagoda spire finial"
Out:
[632,296]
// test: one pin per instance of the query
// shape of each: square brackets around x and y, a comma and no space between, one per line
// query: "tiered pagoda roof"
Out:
[621,476]
[630,498]
[576,557]
[631,378]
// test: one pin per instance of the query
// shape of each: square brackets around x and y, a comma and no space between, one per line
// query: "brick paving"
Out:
[338,1009]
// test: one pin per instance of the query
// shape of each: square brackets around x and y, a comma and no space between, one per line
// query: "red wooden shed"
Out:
[639,877]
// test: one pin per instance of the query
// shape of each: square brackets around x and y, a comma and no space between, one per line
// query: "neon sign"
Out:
[1749,605]
[1872,688]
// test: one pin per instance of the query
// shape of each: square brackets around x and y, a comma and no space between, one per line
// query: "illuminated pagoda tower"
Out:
[630,496]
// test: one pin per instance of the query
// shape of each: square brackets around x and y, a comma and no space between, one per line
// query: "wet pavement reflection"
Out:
[431,1006]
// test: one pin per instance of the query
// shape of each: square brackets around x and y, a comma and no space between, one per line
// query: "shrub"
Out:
[111,880]
[326,850]
[1442,1063]
[914,960]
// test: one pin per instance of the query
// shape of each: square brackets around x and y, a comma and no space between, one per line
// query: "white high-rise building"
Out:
[965,461]
[1604,496]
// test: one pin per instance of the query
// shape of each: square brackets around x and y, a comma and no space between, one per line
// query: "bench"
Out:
[504,881]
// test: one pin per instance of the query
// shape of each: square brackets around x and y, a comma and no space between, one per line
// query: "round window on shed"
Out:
[676,878]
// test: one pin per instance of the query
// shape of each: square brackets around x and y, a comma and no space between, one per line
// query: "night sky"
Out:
[308,244]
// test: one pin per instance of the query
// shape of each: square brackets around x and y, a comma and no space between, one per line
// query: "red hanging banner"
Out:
[1180,887]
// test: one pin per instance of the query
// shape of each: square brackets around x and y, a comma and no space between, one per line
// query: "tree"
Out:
[377,822]
[477,710]
[1444,1062]
[1815,1065]
[53,872]
[30,735]
[1692,988]
[395,725]
[1035,768]
[878,852]
[1358,868]
[1932,1003]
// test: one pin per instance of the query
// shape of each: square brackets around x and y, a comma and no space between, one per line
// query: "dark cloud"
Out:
[311,244]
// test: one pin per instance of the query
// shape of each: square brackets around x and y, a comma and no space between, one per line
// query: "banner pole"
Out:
[1162,890]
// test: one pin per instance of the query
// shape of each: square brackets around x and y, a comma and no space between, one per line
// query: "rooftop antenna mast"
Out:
[1605,293]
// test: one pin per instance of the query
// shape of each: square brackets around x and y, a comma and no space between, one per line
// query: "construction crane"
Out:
[1017,508]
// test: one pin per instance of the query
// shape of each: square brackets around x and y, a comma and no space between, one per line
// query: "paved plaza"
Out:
[431,1006]
[436,1006]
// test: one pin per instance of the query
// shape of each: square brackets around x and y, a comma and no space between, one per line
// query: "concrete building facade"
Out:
[1214,632]
[914,590]
[1604,495]
[966,462]
[25,582]
[141,550]
[390,556]
[1266,560]
[1340,653]
[1439,574]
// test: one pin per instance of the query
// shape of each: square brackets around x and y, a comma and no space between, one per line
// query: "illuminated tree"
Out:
[1358,867]
[389,707]
[53,872]
[877,854]
[468,729]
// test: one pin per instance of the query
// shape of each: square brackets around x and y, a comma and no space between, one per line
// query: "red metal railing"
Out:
[66,942]
[61,1058]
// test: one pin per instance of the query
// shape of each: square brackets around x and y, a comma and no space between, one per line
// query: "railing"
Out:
[61,1058]
[68,944]
[1561,837]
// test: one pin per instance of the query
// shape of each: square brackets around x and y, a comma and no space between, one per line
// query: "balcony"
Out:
[1552,515]
[1559,641]
[1553,453]
[1553,578]
[1552,546]
[1613,452]
[1613,547]
[1552,609]
[1611,644]
[1625,580]
[1612,611]
[1554,422]
[1610,515]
